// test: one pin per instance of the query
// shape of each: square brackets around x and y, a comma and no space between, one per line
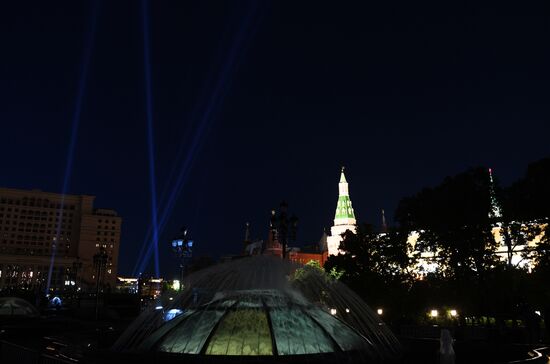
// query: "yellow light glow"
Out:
[380,311]
[176,285]
[434,313]
[454,313]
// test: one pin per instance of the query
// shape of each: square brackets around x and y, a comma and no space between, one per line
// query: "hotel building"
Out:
[43,231]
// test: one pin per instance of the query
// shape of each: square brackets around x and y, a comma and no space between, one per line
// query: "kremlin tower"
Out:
[344,218]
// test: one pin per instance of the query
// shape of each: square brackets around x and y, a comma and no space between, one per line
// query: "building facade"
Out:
[516,255]
[48,240]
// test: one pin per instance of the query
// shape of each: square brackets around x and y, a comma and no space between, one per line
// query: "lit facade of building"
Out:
[426,261]
[518,256]
[42,229]
[148,287]
[344,218]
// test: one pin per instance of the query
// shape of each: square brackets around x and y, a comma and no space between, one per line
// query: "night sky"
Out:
[256,102]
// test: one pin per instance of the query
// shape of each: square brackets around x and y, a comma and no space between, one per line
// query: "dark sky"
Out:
[265,101]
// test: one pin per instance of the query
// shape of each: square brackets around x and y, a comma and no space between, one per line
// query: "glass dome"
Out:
[13,306]
[262,307]
[255,322]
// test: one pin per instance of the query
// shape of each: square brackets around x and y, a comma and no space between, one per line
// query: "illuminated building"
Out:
[302,255]
[427,260]
[145,286]
[36,225]
[344,218]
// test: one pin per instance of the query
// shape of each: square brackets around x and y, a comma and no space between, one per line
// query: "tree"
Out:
[528,202]
[517,237]
[452,219]
[373,264]
[529,198]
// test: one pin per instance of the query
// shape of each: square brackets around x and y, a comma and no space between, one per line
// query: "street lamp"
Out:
[183,248]
[280,224]
[77,266]
[100,262]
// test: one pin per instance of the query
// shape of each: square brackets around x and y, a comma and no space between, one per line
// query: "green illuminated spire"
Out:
[344,211]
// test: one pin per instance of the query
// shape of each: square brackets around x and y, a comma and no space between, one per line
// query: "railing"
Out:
[536,356]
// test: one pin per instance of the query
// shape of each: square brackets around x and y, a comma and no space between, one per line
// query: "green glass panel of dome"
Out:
[346,338]
[242,332]
[296,333]
[190,336]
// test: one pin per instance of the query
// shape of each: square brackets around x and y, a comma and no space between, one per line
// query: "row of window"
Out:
[28,230]
[99,227]
[32,251]
[36,243]
[35,202]
[35,212]
[37,225]
[107,221]
[15,217]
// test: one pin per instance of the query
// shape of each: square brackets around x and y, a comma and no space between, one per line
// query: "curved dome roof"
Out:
[260,306]
[13,306]
[255,322]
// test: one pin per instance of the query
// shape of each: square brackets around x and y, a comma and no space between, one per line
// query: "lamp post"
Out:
[77,266]
[183,249]
[100,262]
[284,226]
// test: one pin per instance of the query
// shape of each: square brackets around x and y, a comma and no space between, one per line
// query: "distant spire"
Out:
[342,175]
[247,233]
[384,225]
[495,211]
[323,241]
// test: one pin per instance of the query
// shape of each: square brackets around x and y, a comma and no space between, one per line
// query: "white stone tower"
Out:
[344,218]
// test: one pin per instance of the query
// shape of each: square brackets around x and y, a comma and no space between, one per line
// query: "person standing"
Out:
[446,350]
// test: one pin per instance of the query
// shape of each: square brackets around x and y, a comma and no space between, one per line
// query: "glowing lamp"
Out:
[176,285]
[453,313]
[172,314]
[380,311]
[434,313]
[333,311]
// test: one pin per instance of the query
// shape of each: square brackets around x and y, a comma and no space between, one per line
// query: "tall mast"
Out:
[384,225]
[495,212]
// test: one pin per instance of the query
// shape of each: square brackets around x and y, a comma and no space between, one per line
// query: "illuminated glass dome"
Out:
[255,323]
[13,306]
[263,308]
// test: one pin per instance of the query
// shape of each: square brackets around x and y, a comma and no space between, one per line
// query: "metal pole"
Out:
[97,290]
[182,268]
